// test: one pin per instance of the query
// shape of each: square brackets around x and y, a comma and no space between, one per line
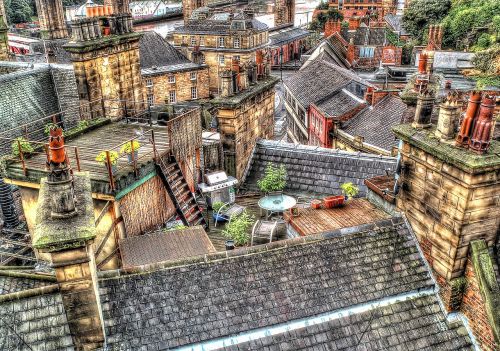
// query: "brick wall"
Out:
[473,307]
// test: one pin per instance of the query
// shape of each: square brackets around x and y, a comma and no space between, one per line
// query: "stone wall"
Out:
[182,86]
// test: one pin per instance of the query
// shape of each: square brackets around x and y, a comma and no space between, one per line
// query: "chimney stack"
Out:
[67,233]
[464,134]
[422,63]
[332,27]
[449,114]
[226,77]
[351,51]
[51,17]
[423,112]
[482,130]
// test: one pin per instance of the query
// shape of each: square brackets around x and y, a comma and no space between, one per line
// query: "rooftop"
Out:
[287,35]
[352,214]
[223,23]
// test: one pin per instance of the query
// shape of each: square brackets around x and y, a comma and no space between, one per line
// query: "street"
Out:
[280,111]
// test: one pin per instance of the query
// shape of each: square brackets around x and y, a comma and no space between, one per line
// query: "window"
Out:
[149,83]
[202,41]
[192,75]
[172,99]
[221,59]
[221,42]
[151,100]
[193,41]
[171,79]
[367,52]
[236,43]
[202,59]
[194,93]
[236,57]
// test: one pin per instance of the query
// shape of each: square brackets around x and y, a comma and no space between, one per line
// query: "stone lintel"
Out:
[461,158]
[52,235]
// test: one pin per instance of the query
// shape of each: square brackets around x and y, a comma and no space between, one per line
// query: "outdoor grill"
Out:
[218,187]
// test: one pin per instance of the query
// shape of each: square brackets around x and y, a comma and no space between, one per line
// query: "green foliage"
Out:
[216,206]
[488,62]
[25,146]
[421,13]
[19,11]
[484,82]
[318,24]
[468,21]
[349,189]
[176,227]
[50,126]
[102,159]
[274,178]
[238,228]
[127,148]
[322,6]
[393,38]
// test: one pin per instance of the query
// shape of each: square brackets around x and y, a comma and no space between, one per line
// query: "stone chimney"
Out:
[449,115]
[51,17]
[423,112]
[429,69]
[226,82]
[65,228]
[482,130]
[118,6]
[332,27]
[464,134]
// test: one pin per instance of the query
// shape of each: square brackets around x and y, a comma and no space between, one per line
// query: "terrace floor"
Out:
[355,212]
[83,149]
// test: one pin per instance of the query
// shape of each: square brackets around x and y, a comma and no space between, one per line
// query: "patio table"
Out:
[277,203]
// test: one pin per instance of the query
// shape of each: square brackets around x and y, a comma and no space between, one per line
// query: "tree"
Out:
[421,13]
[318,24]
[18,11]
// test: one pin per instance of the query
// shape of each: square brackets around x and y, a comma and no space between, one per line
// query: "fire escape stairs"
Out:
[185,202]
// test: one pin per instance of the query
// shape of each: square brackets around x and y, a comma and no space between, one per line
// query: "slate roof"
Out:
[316,170]
[318,80]
[165,246]
[34,323]
[9,284]
[217,297]
[339,103]
[287,36]
[395,22]
[365,36]
[157,52]
[415,324]
[374,123]
[220,23]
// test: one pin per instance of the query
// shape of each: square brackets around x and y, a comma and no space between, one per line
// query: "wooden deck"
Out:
[355,212]
[83,149]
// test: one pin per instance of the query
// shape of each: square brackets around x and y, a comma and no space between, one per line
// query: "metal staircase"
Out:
[185,202]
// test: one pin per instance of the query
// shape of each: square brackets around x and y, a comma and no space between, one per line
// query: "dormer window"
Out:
[221,42]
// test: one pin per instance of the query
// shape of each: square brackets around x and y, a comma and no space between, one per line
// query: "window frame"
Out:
[194,93]
[170,94]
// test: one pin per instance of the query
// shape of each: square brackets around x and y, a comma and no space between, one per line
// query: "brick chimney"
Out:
[464,134]
[51,17]
[482,130]
[449,115]
[354,23]
[65,228]
[332,27]
[423,112]
[422,63]
[351,51]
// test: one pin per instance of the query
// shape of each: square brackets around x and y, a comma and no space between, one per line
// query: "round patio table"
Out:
[277,203]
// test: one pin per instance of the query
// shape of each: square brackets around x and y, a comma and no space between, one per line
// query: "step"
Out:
[200,221]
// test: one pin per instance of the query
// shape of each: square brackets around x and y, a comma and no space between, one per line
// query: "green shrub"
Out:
[216,206]
[25,146]
[50,126]
[238,228]
[274,178]
[176,227]
[102,159]
[349,189]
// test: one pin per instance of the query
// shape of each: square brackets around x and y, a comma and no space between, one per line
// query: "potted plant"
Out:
[216,206]
[274,178]
[127,149]
[26,147]
[294,211]
[103,160]
[349,190]
[238,229]
[316,204]
[334,201]
[50,126]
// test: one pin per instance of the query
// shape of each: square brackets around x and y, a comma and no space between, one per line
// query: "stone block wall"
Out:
[182,86]
[448,208]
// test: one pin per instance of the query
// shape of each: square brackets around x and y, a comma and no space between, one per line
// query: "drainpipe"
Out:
[7,205]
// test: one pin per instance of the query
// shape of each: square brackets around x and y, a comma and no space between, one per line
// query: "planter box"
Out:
[316,204]
[334,201]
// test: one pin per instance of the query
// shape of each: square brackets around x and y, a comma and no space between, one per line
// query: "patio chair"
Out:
[229,210]
[263,230]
